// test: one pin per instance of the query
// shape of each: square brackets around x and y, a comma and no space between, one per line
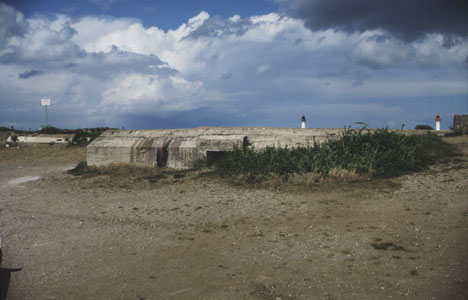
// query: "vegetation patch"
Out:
[380,153]
[423,127]
[121,175]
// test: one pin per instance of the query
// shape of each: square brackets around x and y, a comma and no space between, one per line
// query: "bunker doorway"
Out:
[161,157]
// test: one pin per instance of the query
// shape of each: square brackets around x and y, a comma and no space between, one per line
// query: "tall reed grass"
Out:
[380,153]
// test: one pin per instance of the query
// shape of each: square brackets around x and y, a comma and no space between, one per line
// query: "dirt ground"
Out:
[191,236]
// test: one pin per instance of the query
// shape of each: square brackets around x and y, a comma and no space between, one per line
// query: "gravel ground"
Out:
[193,236]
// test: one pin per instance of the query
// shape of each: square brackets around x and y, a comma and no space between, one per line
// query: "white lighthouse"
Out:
[303,122]
[438,121]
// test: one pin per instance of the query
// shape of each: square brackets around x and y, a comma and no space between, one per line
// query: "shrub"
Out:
[53,130]
[423,127]
[84,137]
[381,153]
[454,133]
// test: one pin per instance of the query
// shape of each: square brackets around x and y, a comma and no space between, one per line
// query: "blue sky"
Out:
[164,64]
[161,13]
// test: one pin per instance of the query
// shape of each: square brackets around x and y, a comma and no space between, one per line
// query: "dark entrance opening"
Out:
[161,157]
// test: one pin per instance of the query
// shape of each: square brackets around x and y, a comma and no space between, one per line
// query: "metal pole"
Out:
[46,117]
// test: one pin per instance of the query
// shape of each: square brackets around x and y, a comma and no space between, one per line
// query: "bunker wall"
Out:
[181,148]
[460,123]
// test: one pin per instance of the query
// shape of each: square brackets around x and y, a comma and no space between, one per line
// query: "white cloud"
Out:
[108,68]
[137,93]
[374,53]
[89,31]
[234,18]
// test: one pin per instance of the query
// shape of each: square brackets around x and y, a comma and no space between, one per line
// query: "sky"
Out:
[145,64]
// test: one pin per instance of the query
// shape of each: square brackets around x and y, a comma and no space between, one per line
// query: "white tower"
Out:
[303,122]
[437,121]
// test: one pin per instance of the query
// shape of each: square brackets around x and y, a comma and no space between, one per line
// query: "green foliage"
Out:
[84,137]
[423,127]
[199,164]
[54,130]
[454,133]
[14,138]
[381,153]
[80,138]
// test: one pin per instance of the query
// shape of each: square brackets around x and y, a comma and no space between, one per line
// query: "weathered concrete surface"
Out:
[180,148]
[460,123]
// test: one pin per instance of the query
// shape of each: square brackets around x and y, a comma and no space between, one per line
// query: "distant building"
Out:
[438,121]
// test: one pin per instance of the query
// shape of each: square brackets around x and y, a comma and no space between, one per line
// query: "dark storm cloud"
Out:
[31,73]
[408,20]
[11,23]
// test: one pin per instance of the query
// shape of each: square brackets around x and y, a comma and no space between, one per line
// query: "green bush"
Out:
[84,137]
[423,127]
[52,130]
[382,153]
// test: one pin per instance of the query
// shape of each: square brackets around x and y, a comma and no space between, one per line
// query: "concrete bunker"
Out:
[181,148]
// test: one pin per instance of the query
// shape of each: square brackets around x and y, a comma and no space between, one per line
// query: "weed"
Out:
[200,163]
[387,246]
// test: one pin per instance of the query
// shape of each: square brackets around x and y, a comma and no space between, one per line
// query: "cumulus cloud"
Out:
[138,93]
[104,71]
[408,20]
